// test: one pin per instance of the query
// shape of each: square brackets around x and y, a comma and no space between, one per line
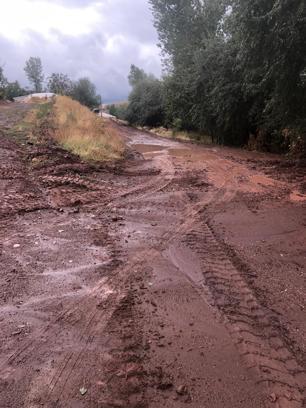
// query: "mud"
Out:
[174,277]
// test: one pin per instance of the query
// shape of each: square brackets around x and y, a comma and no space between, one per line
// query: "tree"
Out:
[235,67]
[85,92]
[188,31]
[136,75]
[60,84]
[34,72]
[119,110]
[3,84]
[146,106]
[13,89]
[272,53]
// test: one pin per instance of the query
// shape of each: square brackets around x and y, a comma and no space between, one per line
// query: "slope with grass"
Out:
[80,131]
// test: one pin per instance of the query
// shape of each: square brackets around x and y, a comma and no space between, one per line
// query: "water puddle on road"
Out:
[148,148]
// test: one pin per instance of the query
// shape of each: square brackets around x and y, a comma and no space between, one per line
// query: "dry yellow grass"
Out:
[85,134]
[182,135]
[32,120]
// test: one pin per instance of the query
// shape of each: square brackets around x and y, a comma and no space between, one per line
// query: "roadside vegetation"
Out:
[184,135]
[235,70]
[27,128]
[118,110]
[82,90]
[80,131]
[72,125]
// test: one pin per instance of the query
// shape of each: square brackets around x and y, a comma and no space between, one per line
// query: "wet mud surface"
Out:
[174,278]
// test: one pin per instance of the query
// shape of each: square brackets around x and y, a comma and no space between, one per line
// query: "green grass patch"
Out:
[43,110]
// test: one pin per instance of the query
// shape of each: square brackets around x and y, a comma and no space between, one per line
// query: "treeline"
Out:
[235,69]
[82,90]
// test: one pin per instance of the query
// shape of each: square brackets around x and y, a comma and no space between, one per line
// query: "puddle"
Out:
[147,148]
[74,270]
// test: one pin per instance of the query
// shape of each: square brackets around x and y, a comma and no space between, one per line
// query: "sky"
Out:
[99,39]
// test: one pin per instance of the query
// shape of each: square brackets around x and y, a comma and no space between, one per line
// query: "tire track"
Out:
[250,324]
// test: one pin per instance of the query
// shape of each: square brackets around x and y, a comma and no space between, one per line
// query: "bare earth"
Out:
[175,277]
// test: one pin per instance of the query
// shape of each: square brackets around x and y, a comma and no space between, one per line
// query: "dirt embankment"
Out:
[174,278]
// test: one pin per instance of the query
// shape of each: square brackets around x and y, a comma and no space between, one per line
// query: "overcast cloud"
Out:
[98,39]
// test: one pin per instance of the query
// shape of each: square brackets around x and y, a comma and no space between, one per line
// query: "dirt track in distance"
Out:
[175,277]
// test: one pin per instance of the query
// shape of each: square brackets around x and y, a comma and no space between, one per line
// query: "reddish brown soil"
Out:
[175,277]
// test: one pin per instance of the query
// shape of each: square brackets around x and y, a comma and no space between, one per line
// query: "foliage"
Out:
[119,110]
[3,84]
[85,134]
[146,107]
[9,90]
[60,84]
[136,75]
[84,91]
[34,71]
[234,67]
[13,90]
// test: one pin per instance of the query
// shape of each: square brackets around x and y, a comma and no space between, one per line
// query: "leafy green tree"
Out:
[112,110]
[190,33]
[85,92]
[60,84]
[235,67]
[119,110]
[184,26]
[13,90]
[136,75]
[34,71]
[3,84]
[272,38]
[146,105]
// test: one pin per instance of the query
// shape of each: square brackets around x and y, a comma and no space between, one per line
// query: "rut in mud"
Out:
[175,277]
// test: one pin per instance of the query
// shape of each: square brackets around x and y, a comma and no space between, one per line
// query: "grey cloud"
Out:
[130,23]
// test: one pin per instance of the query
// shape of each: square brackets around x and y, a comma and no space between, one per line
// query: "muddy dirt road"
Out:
[175,277]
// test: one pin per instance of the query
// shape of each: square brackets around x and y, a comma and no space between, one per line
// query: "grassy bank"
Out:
[28,121]
[80,131]
[181,135]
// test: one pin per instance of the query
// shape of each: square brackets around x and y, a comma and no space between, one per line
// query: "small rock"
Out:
[83,391]
[182,390]
[273,397]
[16,246]
[60,231]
